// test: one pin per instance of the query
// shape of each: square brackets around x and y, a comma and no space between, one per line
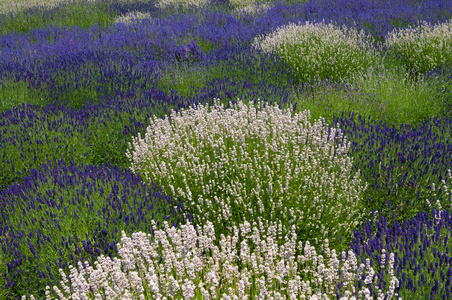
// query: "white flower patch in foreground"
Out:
[243,164]
[186,272]
[320,50]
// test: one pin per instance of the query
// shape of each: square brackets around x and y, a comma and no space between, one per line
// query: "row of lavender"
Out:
[84,135]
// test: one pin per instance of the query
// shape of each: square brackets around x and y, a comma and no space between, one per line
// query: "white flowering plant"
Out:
[132,17]
[422,48]
[321,51]
[244,162]
[192,266]
[184,3]
[253,9]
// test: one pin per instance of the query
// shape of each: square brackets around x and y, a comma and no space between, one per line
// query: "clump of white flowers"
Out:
[251,8]
[17,6]
[132,17]
[320,50]
[424,47]
[194,267]
[184,3]
[229,165]
[246,4]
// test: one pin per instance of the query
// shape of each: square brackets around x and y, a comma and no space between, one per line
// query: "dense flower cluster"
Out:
[422,48]
[318,50]
[271,273]
[14,6]
[245,162]
[132,17]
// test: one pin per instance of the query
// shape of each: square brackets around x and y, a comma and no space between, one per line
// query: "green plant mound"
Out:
[243,164]
[321,51]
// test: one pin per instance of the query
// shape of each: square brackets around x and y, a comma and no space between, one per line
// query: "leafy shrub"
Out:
[422,48]
[317,50]
[237,164]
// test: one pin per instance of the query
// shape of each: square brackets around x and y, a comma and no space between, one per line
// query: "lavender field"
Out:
[225,149]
